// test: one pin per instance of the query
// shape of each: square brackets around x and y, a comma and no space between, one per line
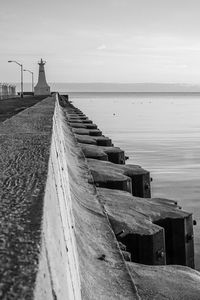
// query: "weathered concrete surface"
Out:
[94,140]
[164,201]
[82,125]
[177,223]
[97,247]
[85,131]
[78,120]
[165,282]
[125,202]
[133,226]
[76,116]
[113,154]
[106,173]
[126,222]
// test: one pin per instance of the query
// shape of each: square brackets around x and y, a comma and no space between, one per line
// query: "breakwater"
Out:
[79,223]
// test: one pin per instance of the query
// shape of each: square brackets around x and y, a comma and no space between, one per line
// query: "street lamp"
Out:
[32,79]
[21,66]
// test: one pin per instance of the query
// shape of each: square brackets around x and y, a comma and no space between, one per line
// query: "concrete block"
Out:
[140,177]
[165,282]
[177,224]
[84,131]
[114,154]
[113,181]
[76,116]
[77,120]
[94,140]
[83,125]
[143,239]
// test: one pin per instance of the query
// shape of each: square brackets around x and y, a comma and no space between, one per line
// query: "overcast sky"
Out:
[102,40]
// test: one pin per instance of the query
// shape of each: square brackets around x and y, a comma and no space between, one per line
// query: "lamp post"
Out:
[32,79]
[21,66]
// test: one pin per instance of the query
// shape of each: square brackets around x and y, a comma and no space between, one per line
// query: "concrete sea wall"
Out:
[79,223]
[76,232]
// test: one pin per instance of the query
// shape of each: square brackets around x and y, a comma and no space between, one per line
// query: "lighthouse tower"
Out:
[42,88]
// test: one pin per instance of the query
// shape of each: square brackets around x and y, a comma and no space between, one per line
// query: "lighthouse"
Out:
[42,88]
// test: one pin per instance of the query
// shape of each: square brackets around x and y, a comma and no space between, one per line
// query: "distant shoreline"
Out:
[124,92]
[143,88]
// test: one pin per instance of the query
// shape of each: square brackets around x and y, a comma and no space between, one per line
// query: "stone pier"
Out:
[80,227]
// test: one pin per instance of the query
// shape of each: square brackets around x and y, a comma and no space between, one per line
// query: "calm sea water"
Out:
[160,132]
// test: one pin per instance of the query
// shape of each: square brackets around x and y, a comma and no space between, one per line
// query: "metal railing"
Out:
[7,91]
